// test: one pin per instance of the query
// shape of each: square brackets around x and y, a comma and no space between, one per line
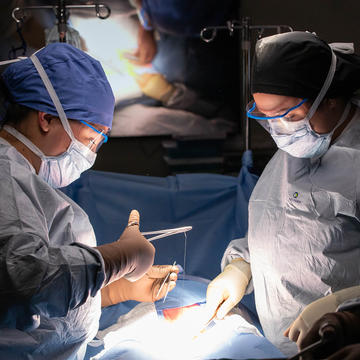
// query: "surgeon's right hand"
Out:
[131,256]
[228,288]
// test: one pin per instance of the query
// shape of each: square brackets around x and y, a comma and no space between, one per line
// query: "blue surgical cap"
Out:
[78,79]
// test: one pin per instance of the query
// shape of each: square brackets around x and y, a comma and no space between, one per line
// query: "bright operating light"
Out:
[162,340]
[107,41]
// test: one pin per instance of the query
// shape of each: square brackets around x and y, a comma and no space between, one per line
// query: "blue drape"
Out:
[214,205]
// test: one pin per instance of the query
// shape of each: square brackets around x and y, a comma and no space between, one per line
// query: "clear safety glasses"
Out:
[284,124]
[101,137]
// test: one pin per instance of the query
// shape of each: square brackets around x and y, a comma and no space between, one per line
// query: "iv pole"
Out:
[209,33]
[61,14]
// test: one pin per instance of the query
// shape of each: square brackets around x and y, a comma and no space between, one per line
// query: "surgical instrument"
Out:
[167,289]
[163,283]
[209,324]
[166,232]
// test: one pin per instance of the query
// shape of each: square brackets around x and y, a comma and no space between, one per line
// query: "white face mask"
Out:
[62,170]
[305,142]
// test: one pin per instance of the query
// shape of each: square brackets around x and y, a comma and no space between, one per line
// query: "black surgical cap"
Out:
[297,63]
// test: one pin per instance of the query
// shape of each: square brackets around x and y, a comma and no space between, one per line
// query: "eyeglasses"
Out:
[101,138]
[284,124]
[253,112]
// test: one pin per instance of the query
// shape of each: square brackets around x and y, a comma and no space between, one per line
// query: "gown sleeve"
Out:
[43,269]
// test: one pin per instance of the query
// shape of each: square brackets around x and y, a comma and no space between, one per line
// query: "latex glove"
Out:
[144,289]
[155,86]
[312,312]
[131,255]
[147,47]
[228,288]
[345,329]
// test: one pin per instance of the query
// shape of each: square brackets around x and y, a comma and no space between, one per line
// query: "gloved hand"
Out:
[228,288]
[155,86]
[344,327]
[312,312]
[144,289]
[130,256]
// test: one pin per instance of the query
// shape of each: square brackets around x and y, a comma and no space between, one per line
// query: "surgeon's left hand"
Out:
[144,289]
[343,329]
[312,312]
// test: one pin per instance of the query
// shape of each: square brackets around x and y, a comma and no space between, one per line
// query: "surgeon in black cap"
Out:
[301,252]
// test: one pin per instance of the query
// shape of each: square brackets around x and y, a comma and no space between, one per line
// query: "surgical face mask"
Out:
[62,170]
[304,142]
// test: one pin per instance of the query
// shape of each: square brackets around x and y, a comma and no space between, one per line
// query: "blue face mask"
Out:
[304,142]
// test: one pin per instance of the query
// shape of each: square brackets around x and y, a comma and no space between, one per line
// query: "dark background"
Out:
[331,20]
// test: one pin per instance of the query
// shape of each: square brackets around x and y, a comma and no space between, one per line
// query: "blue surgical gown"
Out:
[50,275]
[303,239]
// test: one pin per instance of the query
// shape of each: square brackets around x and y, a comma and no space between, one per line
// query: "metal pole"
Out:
[245,61]
[61,17]
[209,33]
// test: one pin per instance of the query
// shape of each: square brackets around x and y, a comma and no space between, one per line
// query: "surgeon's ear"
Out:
[44,121]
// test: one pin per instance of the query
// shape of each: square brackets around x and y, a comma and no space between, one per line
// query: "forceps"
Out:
[161,234]
[166,232]
[163,283]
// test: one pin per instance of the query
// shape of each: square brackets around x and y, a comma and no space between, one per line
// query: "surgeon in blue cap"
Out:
[53,277]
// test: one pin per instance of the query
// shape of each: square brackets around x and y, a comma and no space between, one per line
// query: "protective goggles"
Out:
[102,137]
[283,124]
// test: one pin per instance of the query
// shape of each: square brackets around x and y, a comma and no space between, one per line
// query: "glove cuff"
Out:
[241,266]
[347,294]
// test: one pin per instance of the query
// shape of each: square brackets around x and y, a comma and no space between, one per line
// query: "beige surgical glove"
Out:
[131,256]
[145,289]
[228,288]
[315,310]
[155,86]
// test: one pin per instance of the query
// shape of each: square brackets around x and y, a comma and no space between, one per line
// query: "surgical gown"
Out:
[303,239]
[50,276]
